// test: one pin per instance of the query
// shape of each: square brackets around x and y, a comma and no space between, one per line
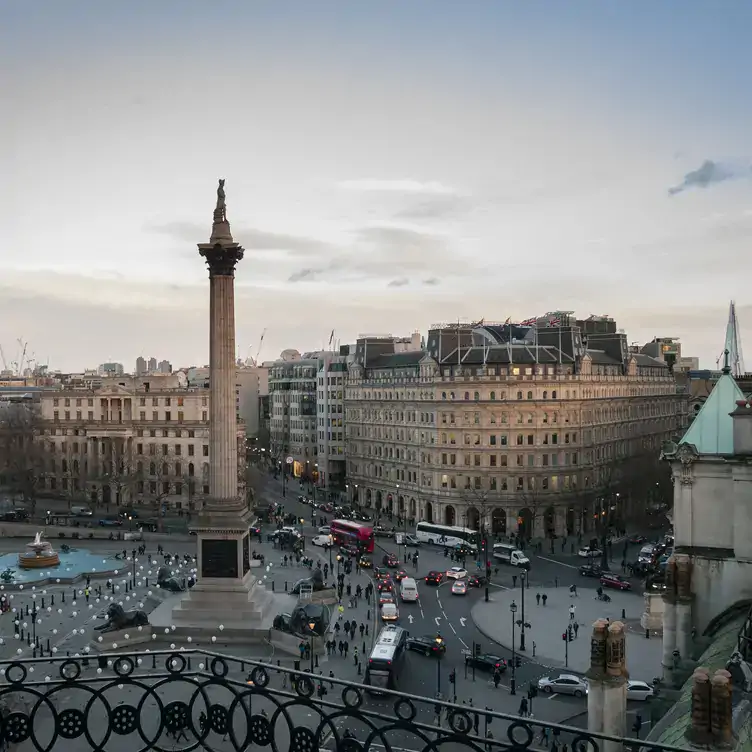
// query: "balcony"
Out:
[196,699]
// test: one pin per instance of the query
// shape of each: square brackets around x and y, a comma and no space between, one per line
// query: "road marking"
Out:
[464,643]
[445,616]
[437,619]
[560,563]
[451,626]
[462,620]
[410,618]
[422,615]
[552,695]
[439,600]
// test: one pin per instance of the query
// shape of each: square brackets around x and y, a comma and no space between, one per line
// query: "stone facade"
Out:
[515,436]
[128,444]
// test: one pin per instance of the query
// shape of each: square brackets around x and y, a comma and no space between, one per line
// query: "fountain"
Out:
[40,555]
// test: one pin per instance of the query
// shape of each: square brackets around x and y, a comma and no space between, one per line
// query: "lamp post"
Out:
[439,642]
[513,681]
[311,629]
[522,625]
[339,562]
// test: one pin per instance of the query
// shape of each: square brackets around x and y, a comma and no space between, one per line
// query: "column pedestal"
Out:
[669,638]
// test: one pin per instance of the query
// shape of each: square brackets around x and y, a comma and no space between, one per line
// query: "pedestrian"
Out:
[355,655]
[571,612]
[576,629]
[544,598]
[341,611]
[346,627]
[341,648]
[523,707]
[347,647]
[336,628]
[362,628]
[496,678]
[544,736]
[537,598]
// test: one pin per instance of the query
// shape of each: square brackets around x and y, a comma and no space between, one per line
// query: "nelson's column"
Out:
[226,592]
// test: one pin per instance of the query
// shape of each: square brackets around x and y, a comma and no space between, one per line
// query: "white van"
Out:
[510,554]
[408,589]
[79,511]
[389,612]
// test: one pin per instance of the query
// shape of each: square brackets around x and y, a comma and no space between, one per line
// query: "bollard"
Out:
[316,665]
[647,634]
[147,582]
[189,662]
[154,661]
[48,646]
[285,585]
[43,602]
[272,586]
[359,671]
[62,595]
[27,609]
[34,652]
[624,613]
[28,639]
[52,599]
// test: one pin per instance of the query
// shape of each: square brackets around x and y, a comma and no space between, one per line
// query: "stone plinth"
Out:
[136,638]
[652,616]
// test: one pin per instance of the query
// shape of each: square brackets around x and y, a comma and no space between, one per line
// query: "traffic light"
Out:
[570,636]
[517,661]
[453,676]
[477,648]
[564,636]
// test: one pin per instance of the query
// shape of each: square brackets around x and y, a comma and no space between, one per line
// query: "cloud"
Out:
[435,207]
[431,282]
[251,238]
[306,275]
[399,282]
[710,173]
[396,186]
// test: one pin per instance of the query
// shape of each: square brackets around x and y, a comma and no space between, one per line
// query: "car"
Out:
[456,573]
[639,690]
[615,581]
[380,573]
[325,530]
[462,549]
[428,645]
[382,532]
[349,550]
[322,540]
[591,570]
[364,562]
[389,612]
[126,513]
[400,575]
[434,577]
[637,539]
[589,553]
[390,560]
[386,597]
[110,522]
[564,684]
[486,662]
[459,587]
[477,580]
[385,585]
[411,540]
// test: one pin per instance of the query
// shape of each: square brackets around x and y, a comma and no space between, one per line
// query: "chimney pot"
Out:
[699,731]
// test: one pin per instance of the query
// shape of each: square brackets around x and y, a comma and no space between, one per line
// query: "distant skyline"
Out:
[389,165]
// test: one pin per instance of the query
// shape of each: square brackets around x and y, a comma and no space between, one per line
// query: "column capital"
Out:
[221,259]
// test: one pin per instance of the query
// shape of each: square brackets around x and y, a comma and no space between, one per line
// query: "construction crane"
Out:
[261,342]
[2,355]
[22,346]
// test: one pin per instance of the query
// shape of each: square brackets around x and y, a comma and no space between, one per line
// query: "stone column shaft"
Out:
[223,447]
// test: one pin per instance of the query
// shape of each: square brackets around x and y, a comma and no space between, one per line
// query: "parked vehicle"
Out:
[509,554]
[640,691]
[589,553]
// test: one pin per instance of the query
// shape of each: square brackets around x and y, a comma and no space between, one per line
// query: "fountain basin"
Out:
[70,567]
[39,560]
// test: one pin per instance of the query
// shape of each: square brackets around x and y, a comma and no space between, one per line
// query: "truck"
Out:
[508,554]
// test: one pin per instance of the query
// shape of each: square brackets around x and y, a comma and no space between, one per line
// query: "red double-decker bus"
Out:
[345,531]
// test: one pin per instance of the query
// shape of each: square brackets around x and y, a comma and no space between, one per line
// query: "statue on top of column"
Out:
[220,213]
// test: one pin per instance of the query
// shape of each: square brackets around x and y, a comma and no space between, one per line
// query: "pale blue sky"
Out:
[388,165]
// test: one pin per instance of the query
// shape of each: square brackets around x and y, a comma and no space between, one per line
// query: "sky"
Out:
[389,165]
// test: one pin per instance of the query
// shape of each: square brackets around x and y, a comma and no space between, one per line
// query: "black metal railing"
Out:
[193,699]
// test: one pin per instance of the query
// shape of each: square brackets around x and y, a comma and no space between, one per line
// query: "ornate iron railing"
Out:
[168,700]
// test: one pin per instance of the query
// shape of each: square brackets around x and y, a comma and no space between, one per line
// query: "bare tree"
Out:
[22,460]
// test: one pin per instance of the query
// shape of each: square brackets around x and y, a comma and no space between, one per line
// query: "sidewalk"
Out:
[544,637]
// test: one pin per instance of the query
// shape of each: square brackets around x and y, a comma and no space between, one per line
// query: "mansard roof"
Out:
[712,431]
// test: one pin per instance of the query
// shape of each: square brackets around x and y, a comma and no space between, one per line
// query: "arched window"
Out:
[476,396]
[545,395]
[467,395]
[165,469]
[191,469]
[443,395]
[152,468]
[140,467]
[75,466]
[529,395]
[493,395]
[553,394]
[451,395]
[519,395]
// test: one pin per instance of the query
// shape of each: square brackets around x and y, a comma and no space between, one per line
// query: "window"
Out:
[492,440]
[206,450]
[530,439]
[553,394]
[545,395]
[529,395]
[493,395]
[519,395]
[467,395]
[520,439]
[476,396]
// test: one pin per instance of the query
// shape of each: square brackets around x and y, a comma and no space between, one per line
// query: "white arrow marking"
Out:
[462,620]
[410,618]
[437,619]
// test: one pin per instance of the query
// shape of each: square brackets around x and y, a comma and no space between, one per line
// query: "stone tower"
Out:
[226,591]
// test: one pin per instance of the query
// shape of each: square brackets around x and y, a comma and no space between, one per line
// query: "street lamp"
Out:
[522,625]
[339,561]
[513,681]
[439,642]
[311,628]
